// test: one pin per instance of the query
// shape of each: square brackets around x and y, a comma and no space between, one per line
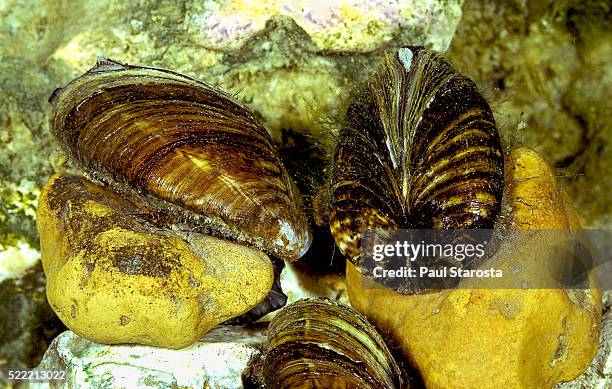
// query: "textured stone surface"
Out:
[114,277]
[599,373]
[492,338]
[216,361]
[355,25]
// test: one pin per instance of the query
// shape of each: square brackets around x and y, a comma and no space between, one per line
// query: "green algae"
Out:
[546,71]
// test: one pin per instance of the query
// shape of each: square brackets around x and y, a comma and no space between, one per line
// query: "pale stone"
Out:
[356,25]
[216,361]
[14,260]
[298,285]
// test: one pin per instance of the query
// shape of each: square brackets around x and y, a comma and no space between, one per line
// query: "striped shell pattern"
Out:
[186,148]
[419,150]
[320,344]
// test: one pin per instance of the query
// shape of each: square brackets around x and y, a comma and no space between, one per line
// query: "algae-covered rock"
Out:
[27,320]
[544,67]
[492,338]
[115,277]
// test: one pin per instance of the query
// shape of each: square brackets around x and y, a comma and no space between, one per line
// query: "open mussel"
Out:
[184,149]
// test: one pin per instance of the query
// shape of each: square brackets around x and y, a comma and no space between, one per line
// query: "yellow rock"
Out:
[114,277]
[496,338]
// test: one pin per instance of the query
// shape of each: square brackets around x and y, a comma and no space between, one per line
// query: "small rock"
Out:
[297,284]
[216,361]
[114,277]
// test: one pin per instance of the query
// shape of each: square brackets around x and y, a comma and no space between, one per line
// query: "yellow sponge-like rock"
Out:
[115,277]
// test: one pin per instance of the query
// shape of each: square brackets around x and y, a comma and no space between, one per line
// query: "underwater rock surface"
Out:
[216,361]
[27,320]
[545,69]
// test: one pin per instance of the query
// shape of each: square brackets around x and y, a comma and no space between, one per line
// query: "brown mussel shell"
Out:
[419,150]
[183,148]
[316,343]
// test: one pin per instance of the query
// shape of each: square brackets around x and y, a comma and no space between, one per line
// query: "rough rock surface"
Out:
[27,321]
[216,361]
[492,338]
[545,69]
[114,277]
[599,373]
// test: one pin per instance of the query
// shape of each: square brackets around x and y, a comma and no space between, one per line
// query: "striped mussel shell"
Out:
[317,343]
[185,149]
[420,150]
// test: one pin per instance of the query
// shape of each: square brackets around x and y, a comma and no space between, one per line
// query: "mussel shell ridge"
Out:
[188,149]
